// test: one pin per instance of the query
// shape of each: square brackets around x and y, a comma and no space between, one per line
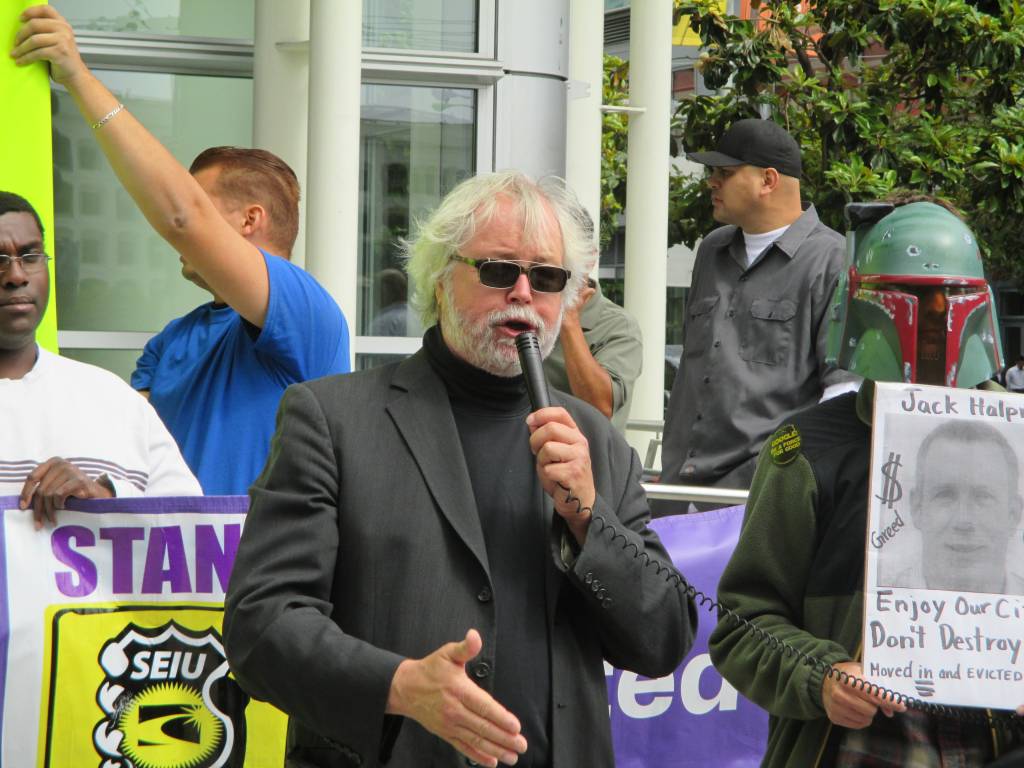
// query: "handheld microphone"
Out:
[533,371]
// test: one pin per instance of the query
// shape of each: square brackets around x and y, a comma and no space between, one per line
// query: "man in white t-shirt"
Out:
[70,429]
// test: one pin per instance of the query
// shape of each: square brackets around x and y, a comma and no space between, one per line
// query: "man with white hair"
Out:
[428,568]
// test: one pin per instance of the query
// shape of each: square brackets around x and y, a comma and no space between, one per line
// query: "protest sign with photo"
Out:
[944,585]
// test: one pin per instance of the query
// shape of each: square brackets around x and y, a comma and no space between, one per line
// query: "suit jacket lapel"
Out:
[420,410]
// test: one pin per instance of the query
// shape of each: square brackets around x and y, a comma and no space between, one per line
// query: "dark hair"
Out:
[900,196]
[393,286]
[255,175]
[973,432]
[12,203]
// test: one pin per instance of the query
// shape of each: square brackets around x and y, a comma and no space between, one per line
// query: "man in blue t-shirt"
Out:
[216,375]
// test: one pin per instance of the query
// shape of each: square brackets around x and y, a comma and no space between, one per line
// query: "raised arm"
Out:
[588,380]
[168,196]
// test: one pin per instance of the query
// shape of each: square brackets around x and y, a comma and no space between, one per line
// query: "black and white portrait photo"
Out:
[951,519]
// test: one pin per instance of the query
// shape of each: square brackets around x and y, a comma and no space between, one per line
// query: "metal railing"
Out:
[694,493]
[646,425]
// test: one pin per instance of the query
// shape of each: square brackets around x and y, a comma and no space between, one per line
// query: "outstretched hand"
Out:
[850,706]
[46,36]
[436,692]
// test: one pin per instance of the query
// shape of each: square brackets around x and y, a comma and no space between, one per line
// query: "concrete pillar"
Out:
[332,200]
[583,113]
[650,88]
[280,92]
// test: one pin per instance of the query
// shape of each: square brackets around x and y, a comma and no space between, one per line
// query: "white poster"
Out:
[944,579]
[110,639]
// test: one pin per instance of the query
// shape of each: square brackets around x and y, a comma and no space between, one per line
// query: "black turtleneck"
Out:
[490,414]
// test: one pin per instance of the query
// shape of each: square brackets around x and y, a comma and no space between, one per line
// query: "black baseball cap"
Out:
[751,141]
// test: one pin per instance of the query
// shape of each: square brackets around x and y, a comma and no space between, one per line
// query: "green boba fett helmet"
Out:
[914,305]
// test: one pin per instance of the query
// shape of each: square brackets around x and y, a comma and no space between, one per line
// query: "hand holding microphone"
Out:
[562,451]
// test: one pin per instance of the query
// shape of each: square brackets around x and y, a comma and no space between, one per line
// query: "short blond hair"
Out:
[257,176]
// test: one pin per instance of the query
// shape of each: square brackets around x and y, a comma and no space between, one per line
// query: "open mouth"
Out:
[517,326]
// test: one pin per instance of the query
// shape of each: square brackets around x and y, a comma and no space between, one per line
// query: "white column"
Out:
[530,102]
[280,91]
[332,197]
[583,113]
[650,87]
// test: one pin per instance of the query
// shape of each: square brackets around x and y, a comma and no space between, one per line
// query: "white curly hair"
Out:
[470,205]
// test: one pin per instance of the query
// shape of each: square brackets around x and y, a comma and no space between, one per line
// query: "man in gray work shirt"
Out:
[754,330]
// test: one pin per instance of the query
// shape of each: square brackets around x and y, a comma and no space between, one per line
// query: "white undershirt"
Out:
[757,243]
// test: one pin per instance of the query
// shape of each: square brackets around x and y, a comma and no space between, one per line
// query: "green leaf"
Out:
[924,94]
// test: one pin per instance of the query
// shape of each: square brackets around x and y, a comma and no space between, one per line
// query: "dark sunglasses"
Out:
[503,273]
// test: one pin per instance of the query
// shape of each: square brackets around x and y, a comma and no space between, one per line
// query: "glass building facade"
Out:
[446,85]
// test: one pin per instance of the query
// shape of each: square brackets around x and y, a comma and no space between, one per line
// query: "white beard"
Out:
[477,345]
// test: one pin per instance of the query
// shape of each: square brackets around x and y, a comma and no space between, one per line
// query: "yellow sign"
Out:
[147,686]
[26,160]
[683,35]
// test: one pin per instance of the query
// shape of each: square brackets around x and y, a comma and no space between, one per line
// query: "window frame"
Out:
[227,57]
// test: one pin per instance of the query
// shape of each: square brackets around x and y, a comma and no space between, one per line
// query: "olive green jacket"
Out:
[798,573]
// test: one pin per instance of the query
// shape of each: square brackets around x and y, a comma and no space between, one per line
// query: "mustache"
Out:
[517,313]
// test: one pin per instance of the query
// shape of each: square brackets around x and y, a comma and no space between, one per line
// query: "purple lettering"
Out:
[121,555]
[165,544]
[81,581]
[211,557]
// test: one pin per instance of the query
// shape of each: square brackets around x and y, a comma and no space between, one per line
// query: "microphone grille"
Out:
[527,340]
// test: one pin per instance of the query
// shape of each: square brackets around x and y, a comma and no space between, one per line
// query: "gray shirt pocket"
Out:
[766,334]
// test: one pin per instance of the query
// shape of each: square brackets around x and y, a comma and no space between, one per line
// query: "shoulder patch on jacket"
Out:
[784,445]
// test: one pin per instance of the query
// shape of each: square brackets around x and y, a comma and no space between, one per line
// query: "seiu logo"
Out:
[167,665]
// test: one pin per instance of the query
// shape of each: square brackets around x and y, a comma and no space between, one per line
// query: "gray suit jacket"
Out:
[363,547]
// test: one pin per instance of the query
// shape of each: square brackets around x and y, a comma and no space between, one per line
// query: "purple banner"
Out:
[693,717]
[690,718]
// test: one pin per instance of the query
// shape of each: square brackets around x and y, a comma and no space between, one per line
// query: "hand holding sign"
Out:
[51,483]
[46,36]
[849,705]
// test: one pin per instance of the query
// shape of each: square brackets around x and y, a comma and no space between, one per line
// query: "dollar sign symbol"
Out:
[892,491]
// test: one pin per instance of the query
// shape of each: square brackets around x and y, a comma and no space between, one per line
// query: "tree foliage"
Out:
[883,94]
[614,139]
